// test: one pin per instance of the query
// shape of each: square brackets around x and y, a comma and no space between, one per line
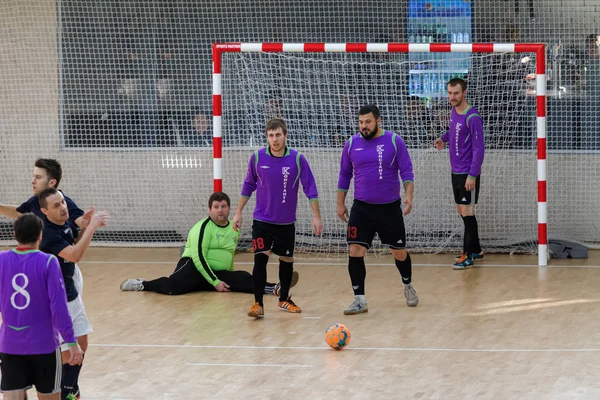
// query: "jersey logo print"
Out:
[264,166]
[380,159]
[458,126]
[285,171]
[359,149]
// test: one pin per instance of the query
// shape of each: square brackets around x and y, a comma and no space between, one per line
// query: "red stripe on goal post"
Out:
[542,191]
[440,48]
[541,106]
[543,234]
[272,47]
[541,149]
[483,47]
[356,48]
[314,47]
[398,48]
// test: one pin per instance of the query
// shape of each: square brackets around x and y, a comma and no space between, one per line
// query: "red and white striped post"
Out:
[537,48]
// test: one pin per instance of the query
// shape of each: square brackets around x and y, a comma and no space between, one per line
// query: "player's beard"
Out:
[371,134]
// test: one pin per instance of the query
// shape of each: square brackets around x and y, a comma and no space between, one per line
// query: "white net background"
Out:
[120,91]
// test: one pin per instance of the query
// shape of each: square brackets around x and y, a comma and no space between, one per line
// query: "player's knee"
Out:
[286,259]
[356,250]
[465,211]
[400,254]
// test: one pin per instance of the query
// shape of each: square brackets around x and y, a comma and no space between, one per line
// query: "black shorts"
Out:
[44,371]
[461,196]
[386,220]
[280,239]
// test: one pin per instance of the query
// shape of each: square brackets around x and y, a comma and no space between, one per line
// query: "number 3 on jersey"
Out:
[20,291]
[258,244]
[351,232]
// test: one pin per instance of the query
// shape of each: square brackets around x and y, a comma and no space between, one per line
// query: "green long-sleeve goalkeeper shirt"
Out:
[211,248]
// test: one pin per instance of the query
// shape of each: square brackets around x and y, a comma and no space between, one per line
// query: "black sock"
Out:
[70,376]
[259,276]
[405,268]
[286,269]
[269,287]
[358,273]
[471,238]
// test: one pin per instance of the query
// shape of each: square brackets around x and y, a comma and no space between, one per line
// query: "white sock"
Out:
[361,298]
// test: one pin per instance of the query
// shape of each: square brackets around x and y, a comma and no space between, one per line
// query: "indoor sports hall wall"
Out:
[85,82]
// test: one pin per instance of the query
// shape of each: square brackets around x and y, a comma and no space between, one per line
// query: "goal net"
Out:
[319,95]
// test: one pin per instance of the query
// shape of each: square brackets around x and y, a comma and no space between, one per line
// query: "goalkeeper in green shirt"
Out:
[207,261]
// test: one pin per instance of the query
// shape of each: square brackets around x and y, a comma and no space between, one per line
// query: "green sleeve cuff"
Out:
[472,177]
[246,197]
[342,190]
[315,199]
[405,182]
[71,344]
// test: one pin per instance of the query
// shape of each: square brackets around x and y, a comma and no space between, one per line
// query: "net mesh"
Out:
[119,91]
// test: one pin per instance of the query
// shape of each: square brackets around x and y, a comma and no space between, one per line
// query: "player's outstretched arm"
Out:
[9,211]
[75,253]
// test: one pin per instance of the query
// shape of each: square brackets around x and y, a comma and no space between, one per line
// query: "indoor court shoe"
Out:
[465,261]
[132,285]
[357,307]
[474,256]
[256,311]
[277,288]
[289,306]
[411,295]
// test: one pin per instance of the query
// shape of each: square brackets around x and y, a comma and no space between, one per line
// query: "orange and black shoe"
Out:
[289,306]
[256,311]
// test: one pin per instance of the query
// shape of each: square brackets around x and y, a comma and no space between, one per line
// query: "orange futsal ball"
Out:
[337,336]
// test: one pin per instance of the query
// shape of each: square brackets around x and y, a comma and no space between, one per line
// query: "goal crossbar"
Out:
[538,48]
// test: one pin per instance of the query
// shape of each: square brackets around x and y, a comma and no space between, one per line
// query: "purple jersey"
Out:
[276,181]
[465,141]
[33,303]
[375,164]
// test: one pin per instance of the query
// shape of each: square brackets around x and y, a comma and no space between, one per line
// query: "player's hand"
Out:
[470,184]
[407,205]
[342,212]
[237,222]
[317,226]
[222,287]
[439,144]
[75,355]
[87,217]
[99,219]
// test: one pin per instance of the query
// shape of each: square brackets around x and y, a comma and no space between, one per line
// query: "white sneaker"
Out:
[411,295]
[357,307]
[132,285]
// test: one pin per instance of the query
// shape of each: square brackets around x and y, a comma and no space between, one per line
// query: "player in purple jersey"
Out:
[275,173]
[62,238]
[377,159]
[467,148]
[34,310]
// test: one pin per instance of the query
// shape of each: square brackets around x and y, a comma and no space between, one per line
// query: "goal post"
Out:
[219,49]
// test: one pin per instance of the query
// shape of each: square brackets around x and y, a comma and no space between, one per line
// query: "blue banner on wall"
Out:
[439,8]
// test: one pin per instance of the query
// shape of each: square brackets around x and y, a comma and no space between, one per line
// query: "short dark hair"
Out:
[42,198]
[28,228]
[458,81]
[218,196]
[276,123]
[370,108]
[52,167]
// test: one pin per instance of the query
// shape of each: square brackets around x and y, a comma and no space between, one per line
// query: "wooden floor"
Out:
[504,330]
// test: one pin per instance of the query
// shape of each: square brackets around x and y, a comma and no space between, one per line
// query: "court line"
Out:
[346,264]
[251,365]
[308,348]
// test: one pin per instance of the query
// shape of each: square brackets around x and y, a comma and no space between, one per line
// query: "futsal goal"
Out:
[318,87]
